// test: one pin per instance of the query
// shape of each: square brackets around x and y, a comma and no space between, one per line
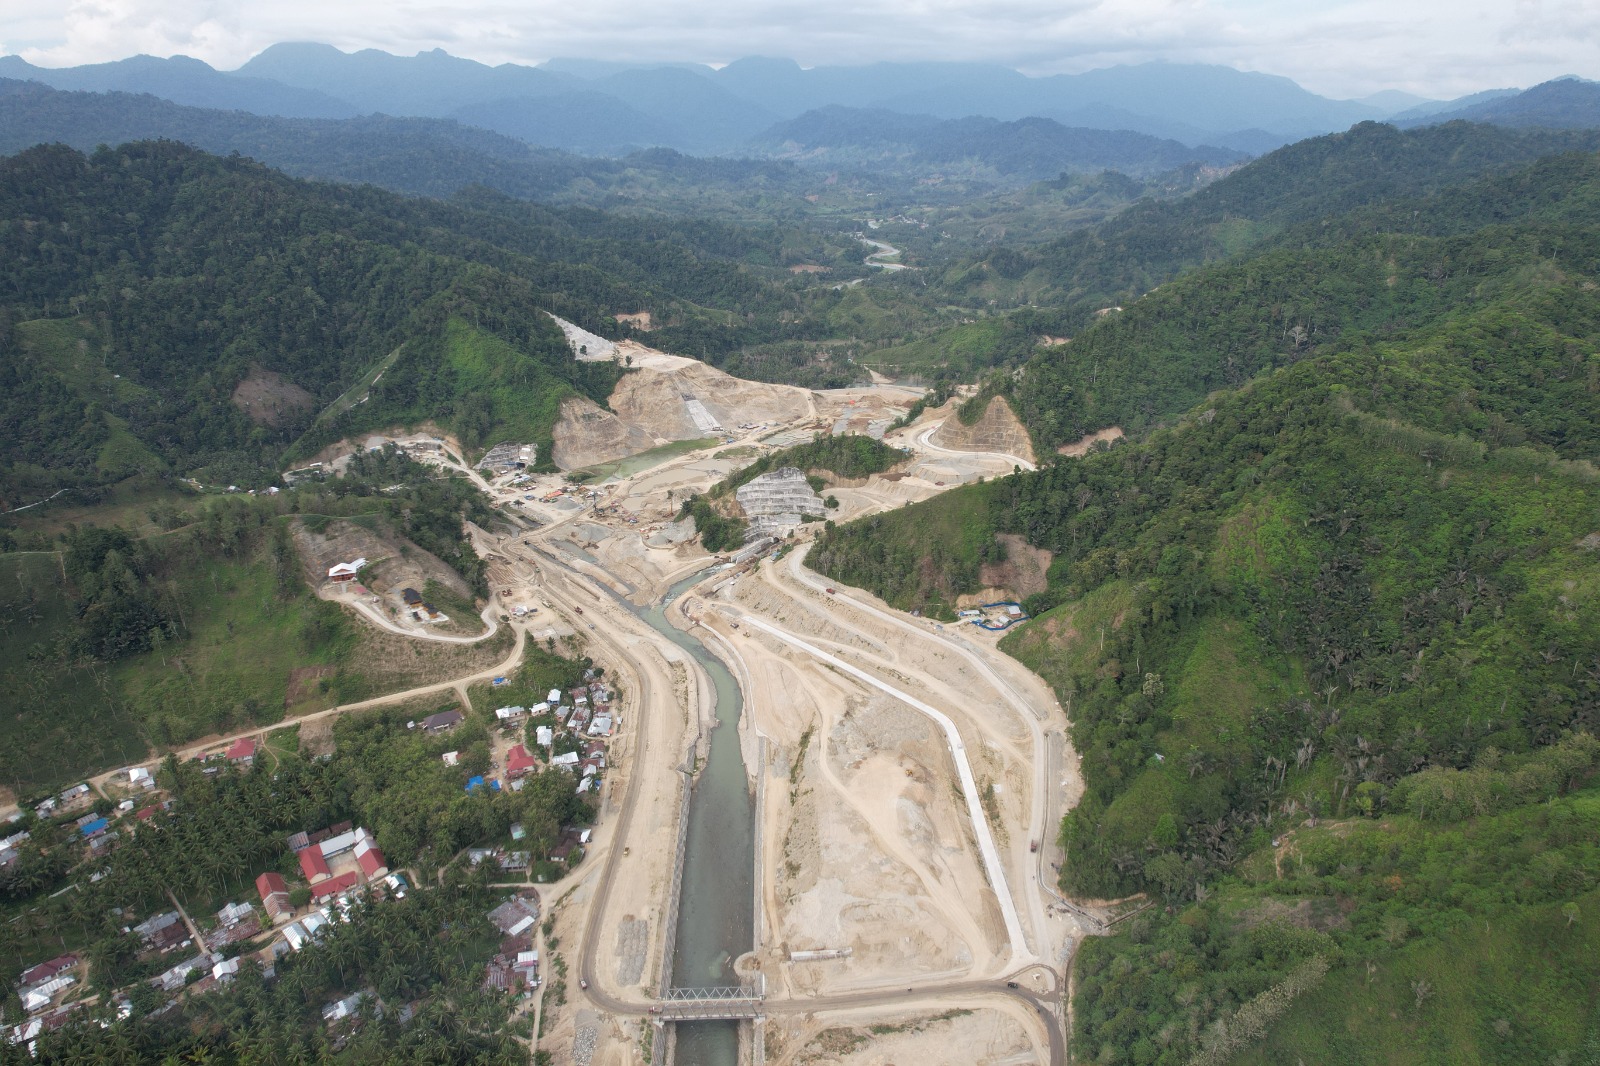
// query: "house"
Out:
[544,736]
[333,886]
[566,761]
[370,858]
[38,998]
[341,842]
[348,1007]
[45,971]
[442,722]
[314,866]
[554,697]
[304,932]
[516,916]
[242,751]
[345,571]
[412,597]
[94,827]
[239,931]
[139,777]
[519,762]
[162,931]
[275,896]
[299,842]
[178,976]
[601,726]
[234,913]
[225,970]
[507,714]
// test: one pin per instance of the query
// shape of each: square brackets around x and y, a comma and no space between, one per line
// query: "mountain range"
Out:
[600,107]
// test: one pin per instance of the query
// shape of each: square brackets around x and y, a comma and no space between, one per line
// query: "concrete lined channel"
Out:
[716,898]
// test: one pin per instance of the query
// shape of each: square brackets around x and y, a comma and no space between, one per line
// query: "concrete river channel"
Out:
[716,910]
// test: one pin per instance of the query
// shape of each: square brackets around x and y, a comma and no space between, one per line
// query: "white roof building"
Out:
[569,759]
[544,736]
[338,570]
[505,713]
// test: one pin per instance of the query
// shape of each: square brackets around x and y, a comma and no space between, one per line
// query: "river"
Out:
[716,912]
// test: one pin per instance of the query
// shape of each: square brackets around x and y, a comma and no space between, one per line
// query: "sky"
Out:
[1341,48]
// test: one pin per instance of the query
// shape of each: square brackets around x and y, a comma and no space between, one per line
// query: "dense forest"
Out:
[143,285]
[1336,590]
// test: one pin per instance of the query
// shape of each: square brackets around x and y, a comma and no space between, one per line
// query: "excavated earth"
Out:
[999,430]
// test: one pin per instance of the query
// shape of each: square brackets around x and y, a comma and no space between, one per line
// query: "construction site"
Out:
[903,778]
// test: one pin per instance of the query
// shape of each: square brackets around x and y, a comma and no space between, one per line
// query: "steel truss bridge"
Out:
[728,1003]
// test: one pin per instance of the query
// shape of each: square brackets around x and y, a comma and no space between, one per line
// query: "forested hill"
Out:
[419,156]
[139,286]
[1028,149]
[1329,641]
[1312,180]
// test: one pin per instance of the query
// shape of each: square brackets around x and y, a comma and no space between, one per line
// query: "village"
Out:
[327,872]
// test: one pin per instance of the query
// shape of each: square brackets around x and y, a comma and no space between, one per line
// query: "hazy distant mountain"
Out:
[186,81]
[584,121]
[430,83]
[1566,103]
[708,117]
[593,103]
[610,106]
[1440,107]
[426,156]
[1028,149]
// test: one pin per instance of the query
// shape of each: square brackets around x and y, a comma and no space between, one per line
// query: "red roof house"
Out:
[45,970]
[369,857]
[314,866]
[242,750]
[334,886]
[519,762]
[274,896]
[373,864]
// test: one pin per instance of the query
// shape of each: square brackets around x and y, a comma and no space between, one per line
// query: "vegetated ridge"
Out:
[1341,603]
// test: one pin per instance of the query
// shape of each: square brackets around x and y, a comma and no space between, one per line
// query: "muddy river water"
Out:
[716,915]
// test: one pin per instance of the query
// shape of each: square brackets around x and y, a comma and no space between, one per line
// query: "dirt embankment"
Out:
[999,430]
[1083,444]
[667,398]
[1023,574]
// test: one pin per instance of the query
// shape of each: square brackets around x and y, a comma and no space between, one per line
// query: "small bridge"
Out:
[728,1003]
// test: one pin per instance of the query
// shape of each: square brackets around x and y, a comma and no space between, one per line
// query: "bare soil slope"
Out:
[660,402]
[999,430]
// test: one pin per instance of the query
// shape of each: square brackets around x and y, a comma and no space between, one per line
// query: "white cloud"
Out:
[1337,47]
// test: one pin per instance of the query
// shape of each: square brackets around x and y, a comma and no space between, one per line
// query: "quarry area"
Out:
[908,777]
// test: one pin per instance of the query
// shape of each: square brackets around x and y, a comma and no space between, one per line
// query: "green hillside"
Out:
[151,280]
[1345,570]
